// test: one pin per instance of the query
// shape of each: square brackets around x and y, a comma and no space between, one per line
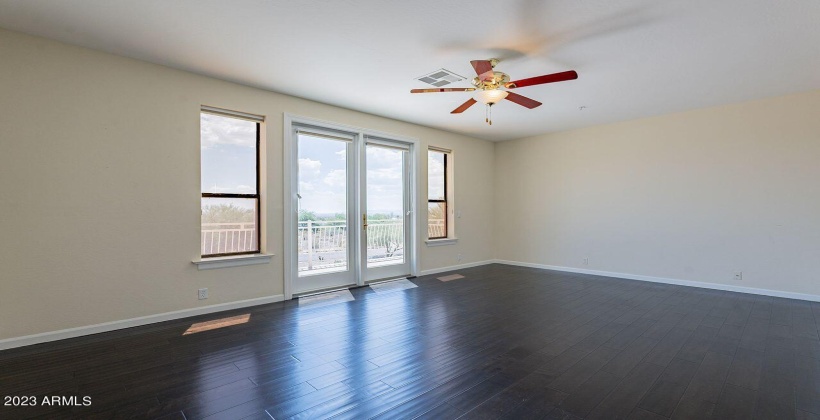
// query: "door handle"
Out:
[364,221]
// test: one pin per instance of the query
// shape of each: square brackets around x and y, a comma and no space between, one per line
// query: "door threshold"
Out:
[386,280]
[323,291]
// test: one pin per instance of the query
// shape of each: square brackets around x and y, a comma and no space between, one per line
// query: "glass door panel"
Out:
[324,197]
[387,208]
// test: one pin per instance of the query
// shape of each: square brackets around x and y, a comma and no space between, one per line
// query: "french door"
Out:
[386,214]
[353,208]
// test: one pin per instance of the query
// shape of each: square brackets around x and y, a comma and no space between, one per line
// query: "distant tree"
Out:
[305,215]
[381,216]
[435,212]
[226,213]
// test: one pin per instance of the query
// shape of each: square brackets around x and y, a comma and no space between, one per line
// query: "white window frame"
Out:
[207,262]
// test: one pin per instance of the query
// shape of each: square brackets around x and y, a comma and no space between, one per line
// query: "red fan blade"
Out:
[540,80]
[442,90]
[470,102]
[523,100]
[483,68]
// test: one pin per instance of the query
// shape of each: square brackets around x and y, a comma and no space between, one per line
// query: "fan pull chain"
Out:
[488,114]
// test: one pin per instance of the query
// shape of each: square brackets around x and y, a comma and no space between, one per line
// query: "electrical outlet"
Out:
[203,294]
[586,261]
[739,275]
[459,257]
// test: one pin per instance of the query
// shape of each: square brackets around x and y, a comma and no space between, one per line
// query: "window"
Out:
[437,193]
[230,182]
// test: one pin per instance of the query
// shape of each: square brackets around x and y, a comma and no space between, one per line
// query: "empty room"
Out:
[356,209]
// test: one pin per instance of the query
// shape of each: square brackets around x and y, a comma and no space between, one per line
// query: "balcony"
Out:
[322,244]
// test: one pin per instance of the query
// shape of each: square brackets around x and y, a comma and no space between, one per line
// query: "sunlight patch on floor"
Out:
[217,323]
[451,277]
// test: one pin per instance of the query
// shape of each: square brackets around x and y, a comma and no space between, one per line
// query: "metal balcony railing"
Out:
[223,238]
[321,244]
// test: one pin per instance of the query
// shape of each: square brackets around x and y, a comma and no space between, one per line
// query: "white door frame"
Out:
[291,205]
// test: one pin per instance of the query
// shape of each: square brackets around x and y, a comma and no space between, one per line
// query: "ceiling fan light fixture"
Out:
[490,97]
[488,84]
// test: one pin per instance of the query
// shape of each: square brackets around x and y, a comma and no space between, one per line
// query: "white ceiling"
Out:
[634,58]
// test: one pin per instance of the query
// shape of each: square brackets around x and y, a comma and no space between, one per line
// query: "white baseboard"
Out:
[704,285]
[454,267]
[28,340]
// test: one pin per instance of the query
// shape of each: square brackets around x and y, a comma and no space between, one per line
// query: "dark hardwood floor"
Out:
[504,342]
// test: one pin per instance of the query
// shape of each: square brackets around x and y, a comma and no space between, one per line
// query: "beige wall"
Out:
[99,191]
[99,187]
[692,196]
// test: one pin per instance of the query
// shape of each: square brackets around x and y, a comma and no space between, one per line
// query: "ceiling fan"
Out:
[489,84]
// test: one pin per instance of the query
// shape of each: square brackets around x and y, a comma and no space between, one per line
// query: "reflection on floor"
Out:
[326,298]
[508,342]
[392,286]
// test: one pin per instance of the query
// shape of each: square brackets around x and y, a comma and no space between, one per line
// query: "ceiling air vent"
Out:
[441,78]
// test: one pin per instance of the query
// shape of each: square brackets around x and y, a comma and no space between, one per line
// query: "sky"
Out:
[323,173]
[229,165]
[228,155]
[435,175]
[228,158]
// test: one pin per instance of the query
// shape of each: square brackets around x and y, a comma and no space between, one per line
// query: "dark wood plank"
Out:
[736,403]
[623,400]
[504,342]
[580,372]
[746,370]
[590,393]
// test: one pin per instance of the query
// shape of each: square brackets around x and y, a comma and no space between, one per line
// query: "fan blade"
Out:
[442,90]
[470,102]
[540,80]
[523,100]
[483,68]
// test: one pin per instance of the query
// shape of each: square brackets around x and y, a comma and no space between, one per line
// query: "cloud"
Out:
[324,202]
[309,168]
[385,173]
[306,186]
[384,176]
[216,130]
[336,178]
[380,157]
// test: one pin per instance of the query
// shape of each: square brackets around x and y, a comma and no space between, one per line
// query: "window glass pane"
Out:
[228,154]
[436,220]
[385,206]
[323,218]
[229,225]
[435,175]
